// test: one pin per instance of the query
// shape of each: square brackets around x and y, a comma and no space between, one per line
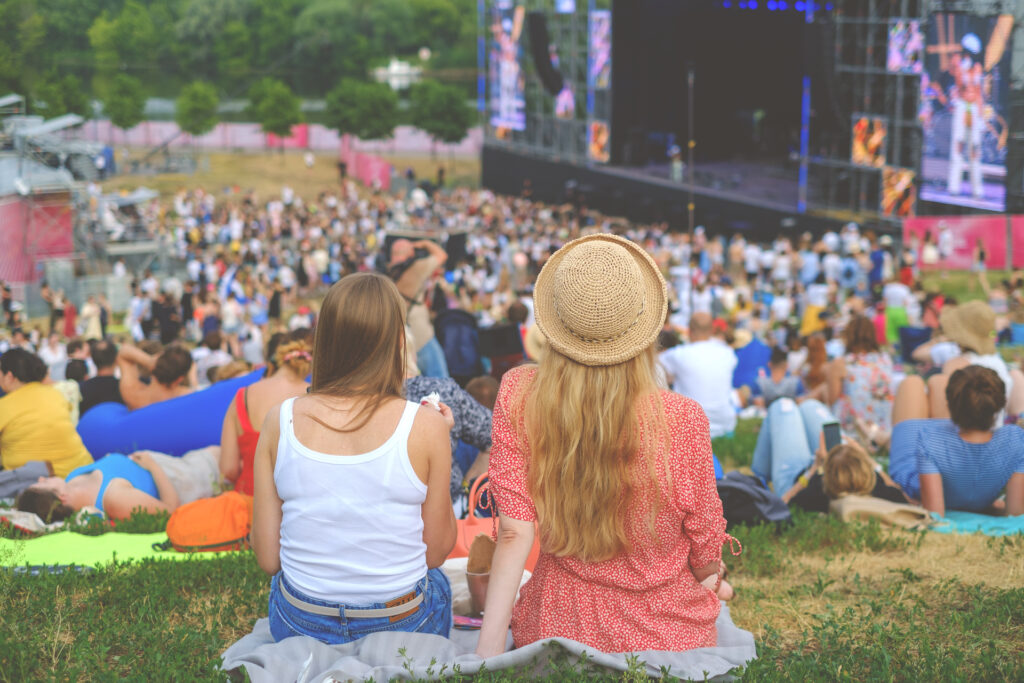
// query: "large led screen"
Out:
[964,96]
[508,102]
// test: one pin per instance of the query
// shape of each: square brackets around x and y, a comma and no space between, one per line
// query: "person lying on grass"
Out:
[352,514]
[116,485]
[963,463]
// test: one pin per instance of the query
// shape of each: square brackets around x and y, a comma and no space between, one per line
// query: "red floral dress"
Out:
[647,599]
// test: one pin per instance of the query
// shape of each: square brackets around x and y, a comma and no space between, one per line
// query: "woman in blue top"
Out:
[961,463]
[117,485]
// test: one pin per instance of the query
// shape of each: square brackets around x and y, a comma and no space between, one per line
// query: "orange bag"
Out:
[211,524]
[472,526]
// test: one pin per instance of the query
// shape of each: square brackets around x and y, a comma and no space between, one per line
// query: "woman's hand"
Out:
[143,460]
[446,413]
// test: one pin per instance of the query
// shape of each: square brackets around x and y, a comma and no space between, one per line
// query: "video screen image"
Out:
[508,102]
[899,194]
[964,108]
[869,138]
[599,71]
[598,140]
[906,47]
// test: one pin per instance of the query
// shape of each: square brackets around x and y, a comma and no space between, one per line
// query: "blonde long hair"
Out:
[583,425]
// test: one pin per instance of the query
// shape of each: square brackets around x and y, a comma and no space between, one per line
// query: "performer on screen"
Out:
[968,106]
[506,33]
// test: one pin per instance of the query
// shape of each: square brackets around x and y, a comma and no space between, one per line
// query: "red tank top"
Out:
[246,444]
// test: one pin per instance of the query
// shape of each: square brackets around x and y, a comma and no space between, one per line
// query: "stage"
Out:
[755,198]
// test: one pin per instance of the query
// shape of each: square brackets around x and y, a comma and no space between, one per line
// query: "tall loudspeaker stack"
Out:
[537,26]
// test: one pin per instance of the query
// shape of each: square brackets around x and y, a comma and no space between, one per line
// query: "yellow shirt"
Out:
[35,424]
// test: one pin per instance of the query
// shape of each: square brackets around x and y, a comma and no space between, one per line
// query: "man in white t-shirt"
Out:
[702,370]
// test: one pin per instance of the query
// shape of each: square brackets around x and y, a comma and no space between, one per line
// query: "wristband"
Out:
[804,481]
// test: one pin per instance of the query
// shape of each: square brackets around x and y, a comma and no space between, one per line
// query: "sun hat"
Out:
[971,325]
[600,300]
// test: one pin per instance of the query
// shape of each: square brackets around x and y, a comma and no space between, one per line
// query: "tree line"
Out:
[62,54]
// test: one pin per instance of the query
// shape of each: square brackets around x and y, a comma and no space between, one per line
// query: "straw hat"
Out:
[971,325]
[600,300]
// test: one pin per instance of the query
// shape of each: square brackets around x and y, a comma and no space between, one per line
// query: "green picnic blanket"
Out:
[68,548]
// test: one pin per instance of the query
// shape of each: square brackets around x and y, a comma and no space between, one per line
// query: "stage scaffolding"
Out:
[863,86]
[546,135]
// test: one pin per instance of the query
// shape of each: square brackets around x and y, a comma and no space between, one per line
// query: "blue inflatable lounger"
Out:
[174,427]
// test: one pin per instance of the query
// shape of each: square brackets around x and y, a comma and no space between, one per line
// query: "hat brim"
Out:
[956,329]
[629,345]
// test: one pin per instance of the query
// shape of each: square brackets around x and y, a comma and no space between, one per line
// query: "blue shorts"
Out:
[433,615]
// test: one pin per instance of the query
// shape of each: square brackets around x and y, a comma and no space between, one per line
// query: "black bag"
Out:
[745,500]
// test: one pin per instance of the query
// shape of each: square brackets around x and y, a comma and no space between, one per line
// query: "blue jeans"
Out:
[431,360]
[434,614]
[903,455]
[788,438]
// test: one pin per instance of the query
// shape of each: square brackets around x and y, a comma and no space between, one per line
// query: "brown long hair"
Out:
[817,357]
[859,335]
[583,425]
[359,346]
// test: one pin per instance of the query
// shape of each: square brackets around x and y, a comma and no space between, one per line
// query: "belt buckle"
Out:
[408,597]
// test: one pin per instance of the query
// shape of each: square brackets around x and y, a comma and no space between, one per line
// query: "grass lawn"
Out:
[824,600]
[267,172]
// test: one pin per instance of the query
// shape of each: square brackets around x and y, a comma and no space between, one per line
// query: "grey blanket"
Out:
[387,655]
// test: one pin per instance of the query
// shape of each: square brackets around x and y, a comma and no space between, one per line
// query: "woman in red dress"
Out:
[617,474]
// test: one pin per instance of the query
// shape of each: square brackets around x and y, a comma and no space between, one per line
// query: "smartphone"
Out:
[467,623]
[832,436]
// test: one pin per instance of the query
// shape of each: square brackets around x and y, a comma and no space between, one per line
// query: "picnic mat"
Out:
[956,522]
[377,656]
[68,548]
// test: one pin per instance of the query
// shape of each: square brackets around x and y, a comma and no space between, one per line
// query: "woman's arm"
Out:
[834,372]
[266,513]
[230,458]
[1015,495]
[515,539]
[121,499]
[932,497]
[431,431]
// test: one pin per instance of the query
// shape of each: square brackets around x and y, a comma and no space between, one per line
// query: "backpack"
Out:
[745,500]
[210,524]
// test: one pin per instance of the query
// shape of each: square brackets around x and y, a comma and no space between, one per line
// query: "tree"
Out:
[437,24]
[440,111]
[366,110]
[59,96]
[196,108]
[274,107]
[124,101]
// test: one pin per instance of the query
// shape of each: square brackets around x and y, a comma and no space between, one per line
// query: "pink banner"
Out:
[950,242]
[370,170]
[299,139]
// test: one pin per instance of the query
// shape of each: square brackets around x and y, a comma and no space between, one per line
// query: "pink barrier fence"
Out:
[961,235]
[370,170]
[248,136]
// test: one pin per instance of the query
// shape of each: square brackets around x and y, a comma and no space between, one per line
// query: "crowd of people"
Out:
[621,350]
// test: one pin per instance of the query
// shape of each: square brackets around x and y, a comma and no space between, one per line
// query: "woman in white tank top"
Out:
[352,515]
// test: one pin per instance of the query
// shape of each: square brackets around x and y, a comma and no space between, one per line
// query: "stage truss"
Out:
[863,86]
[545,134]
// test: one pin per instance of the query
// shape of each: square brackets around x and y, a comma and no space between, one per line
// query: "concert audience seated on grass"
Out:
[118,485]
[859,385]
[617,473]
[172,374]
[352,513]
[35,418]
[961,463]
[290,365]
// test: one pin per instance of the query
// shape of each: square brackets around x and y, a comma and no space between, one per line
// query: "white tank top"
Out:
[351,525]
